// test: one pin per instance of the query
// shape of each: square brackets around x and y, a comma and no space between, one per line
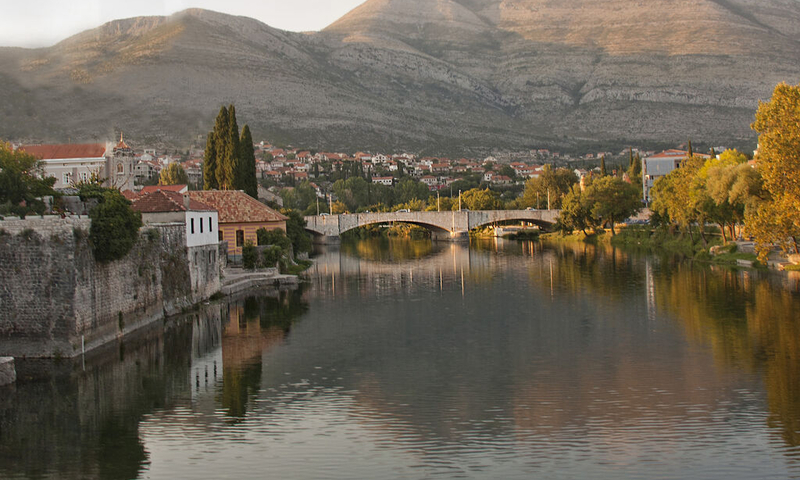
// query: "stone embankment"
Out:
[8,374]
[57,301]
[235,280]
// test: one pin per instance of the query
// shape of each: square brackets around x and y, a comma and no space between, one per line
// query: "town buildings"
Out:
[658,165]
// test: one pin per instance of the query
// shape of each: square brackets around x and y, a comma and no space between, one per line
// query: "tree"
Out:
[231,158]
[246,169]
[173,174]
[610,200]
[690,152]
[603,171]
[115,227]
[296,231]
[409,189]
[210,163]
[477,199]
[574,214]
[554,184]
[220,134]
[22,181]
[777,219]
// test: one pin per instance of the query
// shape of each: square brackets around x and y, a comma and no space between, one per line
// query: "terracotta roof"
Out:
[167,188]
[130,195]
[58,152]
[165,201]
[235,206]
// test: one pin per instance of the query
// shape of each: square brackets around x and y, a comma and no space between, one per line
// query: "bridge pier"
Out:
[327,240]
[443,236]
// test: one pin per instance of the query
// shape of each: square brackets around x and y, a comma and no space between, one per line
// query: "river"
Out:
[411,360]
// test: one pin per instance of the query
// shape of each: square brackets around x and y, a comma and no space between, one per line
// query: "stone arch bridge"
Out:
[447,226]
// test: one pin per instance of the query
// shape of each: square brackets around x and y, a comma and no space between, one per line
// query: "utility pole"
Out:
[548,199]
[459,200]
[330,204]
[537,201]
[438,204]
[318,206]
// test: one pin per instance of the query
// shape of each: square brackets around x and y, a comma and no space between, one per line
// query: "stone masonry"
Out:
[56,300]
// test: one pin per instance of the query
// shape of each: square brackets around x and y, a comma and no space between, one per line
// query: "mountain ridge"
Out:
[456,75]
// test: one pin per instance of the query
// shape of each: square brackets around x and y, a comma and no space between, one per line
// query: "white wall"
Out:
[209,236]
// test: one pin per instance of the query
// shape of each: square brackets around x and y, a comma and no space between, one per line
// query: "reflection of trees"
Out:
[390,250]
[748,323]
[255,324]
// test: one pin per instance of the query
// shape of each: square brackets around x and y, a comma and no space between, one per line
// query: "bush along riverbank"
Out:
[398,230]
[661,240]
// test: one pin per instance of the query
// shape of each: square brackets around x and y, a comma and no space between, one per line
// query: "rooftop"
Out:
[165,201]
[235,206]
[66,151]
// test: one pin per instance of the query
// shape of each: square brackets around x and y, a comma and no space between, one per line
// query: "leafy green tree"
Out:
[173,174]
[478,199]
[22,180]
[246,168]
[555,183]
[300,198]
[777,219]
[409,189]
[210,163]
[574,213]
[115,227]
[611,200]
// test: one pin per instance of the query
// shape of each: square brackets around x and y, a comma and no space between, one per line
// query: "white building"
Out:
[659,165]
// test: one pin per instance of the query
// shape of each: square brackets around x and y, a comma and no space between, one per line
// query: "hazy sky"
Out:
[39,23]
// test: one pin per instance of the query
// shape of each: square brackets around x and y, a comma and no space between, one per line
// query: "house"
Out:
[429,180]
[201,223]
[501,180]
[660,164]
[388,181]
[240,216]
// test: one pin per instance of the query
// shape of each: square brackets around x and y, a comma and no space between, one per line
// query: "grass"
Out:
[792,268]
[302,266]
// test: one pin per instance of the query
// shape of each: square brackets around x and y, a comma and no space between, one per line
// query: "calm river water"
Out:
[401,359]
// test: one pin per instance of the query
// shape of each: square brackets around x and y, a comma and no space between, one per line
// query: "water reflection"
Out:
[503,360]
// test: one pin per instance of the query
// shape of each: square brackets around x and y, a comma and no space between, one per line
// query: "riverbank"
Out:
[661,240]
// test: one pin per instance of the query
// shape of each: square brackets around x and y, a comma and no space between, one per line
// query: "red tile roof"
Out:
[167,188]
[59,152]
[130,195]
[235,206]
[164,201]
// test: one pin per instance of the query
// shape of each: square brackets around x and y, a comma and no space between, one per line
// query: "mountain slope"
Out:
[441,75]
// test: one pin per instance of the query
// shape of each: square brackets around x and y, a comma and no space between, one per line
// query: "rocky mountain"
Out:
[431,75]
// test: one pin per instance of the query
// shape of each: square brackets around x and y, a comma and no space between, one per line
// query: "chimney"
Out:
[186,201]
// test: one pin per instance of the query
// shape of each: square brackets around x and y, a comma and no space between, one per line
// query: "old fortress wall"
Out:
[56,300]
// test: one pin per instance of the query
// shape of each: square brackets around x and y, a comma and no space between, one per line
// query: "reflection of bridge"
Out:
[443,225]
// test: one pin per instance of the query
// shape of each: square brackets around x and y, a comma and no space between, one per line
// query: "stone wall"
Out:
[56,300]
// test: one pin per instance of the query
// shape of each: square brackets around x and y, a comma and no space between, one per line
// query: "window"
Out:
[84,177]
[120,169]
[66,178]
[210,224]
[221,237]
[239,238]
[192,226]
[201,224]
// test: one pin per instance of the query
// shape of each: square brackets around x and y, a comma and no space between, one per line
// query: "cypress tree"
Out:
[221,146]
[637,165]
[231,157]
[691,152]
[210,163]
[247,164]
[603,172]
[630,159]
[713,153]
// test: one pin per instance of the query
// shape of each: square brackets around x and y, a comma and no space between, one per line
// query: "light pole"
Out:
[438,204]
[459,200]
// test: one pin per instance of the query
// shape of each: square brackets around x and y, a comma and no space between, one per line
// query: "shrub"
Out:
[115,227]
[271,255]
[249,256]
[273,237]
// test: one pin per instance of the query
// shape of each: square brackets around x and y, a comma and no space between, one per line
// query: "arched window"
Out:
[120,169]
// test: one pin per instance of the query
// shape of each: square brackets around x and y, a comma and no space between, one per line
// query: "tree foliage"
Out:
[22,181]
[173,174]
[478,199]
[115,227]
[557,183]
[230,162]
[777,218]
